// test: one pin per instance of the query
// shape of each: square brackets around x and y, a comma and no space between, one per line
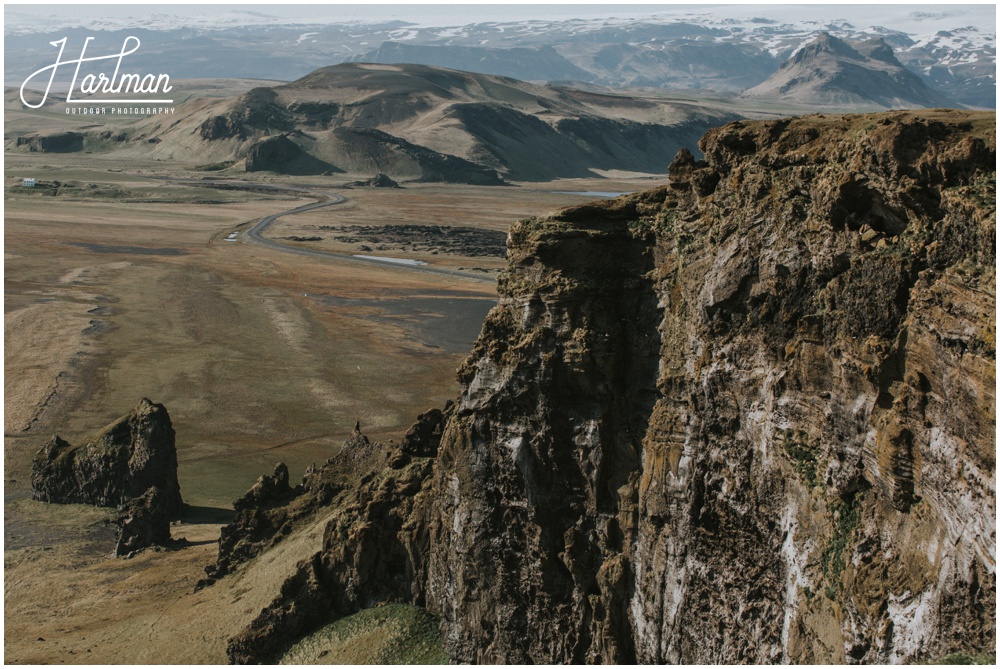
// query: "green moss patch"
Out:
[389,634]
[802,456]
[833,559]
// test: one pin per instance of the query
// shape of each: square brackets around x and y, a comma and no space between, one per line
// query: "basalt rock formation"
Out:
[263,517]
[272,153]
[747,417]
[251,113]
[119,463]
[142,522]
[368,496]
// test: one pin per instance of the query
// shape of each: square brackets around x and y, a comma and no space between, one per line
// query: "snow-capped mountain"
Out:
[722,48]
[834,73]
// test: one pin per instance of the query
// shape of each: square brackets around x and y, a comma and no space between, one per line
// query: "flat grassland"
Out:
[120,284]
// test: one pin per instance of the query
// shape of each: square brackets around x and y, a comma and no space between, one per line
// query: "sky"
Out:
[907,16]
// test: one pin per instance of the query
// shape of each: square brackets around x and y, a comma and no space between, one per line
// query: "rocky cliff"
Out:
[59,142]
[272,153]
[119,463]
[747,417]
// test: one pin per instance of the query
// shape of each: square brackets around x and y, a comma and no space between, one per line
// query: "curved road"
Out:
[255,234]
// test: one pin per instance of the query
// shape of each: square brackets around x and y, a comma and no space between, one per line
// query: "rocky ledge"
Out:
[747,417]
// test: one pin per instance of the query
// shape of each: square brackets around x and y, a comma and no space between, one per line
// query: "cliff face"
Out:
[746,417]
[142,521]
[537,470]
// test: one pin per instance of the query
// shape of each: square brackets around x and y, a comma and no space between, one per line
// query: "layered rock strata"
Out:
[747,417]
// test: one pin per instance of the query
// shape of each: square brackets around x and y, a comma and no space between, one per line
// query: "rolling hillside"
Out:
[415,122]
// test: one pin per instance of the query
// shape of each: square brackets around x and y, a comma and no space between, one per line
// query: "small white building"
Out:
[29,182]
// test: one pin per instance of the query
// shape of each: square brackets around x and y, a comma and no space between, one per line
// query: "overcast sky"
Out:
[909,16]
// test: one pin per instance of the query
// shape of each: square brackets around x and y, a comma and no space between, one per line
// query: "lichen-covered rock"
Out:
[142,522]
[748,417]
[121,462]
[424,436]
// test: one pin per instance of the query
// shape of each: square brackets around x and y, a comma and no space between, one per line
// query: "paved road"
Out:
[255,235]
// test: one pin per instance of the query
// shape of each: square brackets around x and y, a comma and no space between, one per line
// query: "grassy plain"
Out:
[119,284]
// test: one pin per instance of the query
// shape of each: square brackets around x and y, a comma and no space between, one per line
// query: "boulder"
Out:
[142,522]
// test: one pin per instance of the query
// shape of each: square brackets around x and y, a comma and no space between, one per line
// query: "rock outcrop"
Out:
[142,522]
[263,517]
[372,551]
[378,181]
[747,417]
[255,113]
[58,142]
[119,463]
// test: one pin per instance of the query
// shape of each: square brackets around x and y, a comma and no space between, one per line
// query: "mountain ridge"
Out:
[831,72]
[730,49]
[423,123]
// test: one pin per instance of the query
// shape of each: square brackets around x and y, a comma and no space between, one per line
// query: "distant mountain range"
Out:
[705,50]
[685,64]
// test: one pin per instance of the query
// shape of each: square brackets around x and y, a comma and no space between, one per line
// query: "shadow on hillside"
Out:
[207,515]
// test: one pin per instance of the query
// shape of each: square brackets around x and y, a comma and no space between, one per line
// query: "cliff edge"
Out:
[747,417]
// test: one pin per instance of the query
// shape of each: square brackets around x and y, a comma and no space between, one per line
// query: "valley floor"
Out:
[120,284]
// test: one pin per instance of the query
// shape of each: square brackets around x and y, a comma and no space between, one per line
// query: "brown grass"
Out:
[110,301]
